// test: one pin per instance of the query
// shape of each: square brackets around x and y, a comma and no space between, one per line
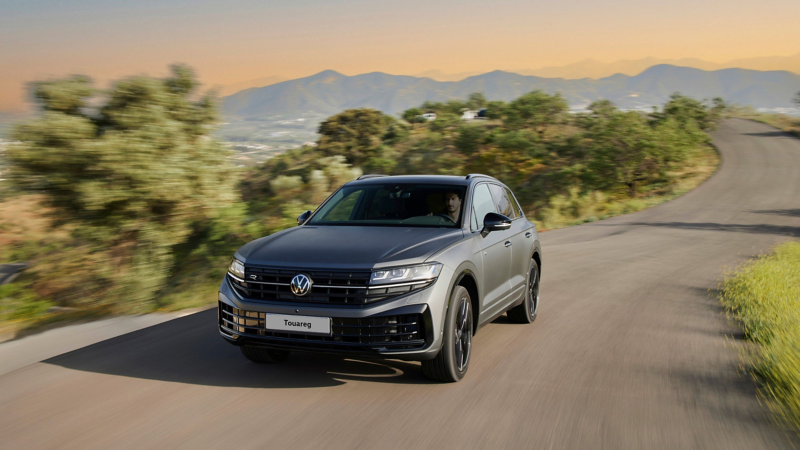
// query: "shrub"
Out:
[764,298]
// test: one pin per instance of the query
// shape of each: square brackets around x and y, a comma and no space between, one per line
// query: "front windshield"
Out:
[418,205]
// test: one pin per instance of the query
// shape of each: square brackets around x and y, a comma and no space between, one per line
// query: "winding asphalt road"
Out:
[629,351]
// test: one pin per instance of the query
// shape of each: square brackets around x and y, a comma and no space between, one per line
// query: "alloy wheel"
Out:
[463,331]
[533,291]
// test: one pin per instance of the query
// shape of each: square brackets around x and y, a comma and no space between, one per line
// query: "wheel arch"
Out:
[469,280]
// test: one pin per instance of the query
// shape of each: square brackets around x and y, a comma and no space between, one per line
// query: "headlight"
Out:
[236,268]
[423,272]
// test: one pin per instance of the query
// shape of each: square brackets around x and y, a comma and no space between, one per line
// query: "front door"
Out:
[495,250]
[520,243]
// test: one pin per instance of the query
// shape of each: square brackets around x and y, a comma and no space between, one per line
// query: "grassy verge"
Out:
[786,123]
[764,298]
[576,208]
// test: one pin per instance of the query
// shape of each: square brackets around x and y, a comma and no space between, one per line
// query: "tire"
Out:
[452,362]
[526,311]
[264,355]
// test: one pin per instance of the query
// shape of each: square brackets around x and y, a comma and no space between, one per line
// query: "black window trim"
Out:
[514,199]
[472,205]
[504,187]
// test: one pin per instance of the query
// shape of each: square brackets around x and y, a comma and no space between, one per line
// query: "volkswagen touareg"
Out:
[400,267]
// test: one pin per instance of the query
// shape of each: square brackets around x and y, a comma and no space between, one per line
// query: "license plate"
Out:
[299,324]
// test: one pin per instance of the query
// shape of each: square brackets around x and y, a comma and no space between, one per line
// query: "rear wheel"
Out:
[452,362]
[264,355]
[527,310]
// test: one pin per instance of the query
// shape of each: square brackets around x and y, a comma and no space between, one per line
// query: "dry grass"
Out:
[781,121]
[764,298]
[22,220]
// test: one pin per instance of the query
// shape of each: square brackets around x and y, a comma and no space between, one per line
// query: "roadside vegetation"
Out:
[764,298]
[790,124]
[123,202]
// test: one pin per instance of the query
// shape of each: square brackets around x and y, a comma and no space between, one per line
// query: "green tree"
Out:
[469,139]
[450,107]
[685,109]
[603,108]
[413,115]
[797,99]
[130,176]
[355,134]
[623,152]
[718,108]
[495,109]
[476,100]
[444,121]
[536,110]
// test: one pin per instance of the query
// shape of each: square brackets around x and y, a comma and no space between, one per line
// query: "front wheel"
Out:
[527,310]
[452,362]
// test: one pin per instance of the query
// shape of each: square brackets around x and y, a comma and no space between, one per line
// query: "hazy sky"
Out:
[232,41]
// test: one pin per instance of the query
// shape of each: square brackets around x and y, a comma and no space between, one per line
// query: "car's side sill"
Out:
[487,317]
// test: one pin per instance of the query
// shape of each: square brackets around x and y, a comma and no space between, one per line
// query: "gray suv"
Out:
[397,267]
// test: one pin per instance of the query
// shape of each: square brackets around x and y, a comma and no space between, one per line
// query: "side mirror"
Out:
[495,222]
[301,219]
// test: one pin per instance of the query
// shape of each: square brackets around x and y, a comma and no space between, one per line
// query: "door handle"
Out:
[508,244]
[528,234]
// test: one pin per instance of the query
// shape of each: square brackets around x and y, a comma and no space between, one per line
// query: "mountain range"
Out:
[229,89]
[330,92]
[590,68]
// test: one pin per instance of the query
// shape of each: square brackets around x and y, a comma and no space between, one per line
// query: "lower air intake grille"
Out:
[395,332]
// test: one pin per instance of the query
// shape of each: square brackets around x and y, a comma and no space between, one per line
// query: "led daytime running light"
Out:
[424,272]
[236,268]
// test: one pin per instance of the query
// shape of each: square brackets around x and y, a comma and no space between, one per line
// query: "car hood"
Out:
[348,246]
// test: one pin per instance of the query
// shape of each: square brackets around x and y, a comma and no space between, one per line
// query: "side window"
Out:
[502,201]
[514,204]
[482,204]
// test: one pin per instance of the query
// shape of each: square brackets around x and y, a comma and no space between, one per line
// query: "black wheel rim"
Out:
[533,291]
[463,337]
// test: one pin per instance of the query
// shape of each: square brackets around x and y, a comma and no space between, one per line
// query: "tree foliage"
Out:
[686,110]
[357,134]
[413,115]
[535,110]
[476,100]
[130,176]
[531,143]
[136,177]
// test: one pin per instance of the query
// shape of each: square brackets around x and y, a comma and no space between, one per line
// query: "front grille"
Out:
[337,286]
[395,331]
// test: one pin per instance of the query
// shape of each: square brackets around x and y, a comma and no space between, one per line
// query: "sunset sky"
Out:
[232,41]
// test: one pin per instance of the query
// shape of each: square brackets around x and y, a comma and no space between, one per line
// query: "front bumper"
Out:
[406,328]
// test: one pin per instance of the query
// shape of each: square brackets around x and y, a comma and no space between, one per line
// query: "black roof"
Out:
[427,179]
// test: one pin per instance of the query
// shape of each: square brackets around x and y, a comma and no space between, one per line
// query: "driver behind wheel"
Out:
[452,204]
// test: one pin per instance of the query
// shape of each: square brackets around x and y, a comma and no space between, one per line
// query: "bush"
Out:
[132,173]
[18,303]
[764,298]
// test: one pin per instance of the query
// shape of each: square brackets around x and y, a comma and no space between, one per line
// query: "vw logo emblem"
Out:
[301,284]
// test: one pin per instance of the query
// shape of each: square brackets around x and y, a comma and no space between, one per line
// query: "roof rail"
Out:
[372,175]
[476,175]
